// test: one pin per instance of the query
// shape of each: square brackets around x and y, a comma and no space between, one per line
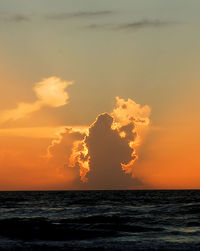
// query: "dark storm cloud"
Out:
[107,150]
[79,15]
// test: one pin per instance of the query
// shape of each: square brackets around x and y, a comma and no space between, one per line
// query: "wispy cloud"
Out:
[15,18]
[19,18]
[50,92]
[99,26]
[141,24]
[79,14]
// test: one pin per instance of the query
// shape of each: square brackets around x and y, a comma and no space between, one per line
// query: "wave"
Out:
[108,220]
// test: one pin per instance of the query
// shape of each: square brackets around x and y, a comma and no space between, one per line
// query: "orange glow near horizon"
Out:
[172,156]
[171,162]
[44,158]
[23,166]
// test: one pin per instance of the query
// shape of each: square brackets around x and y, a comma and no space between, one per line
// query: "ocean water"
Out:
[100,220]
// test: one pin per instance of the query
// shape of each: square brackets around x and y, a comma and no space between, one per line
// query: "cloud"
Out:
[24,163]
[50,92]
[99,26]
[60,136]
[141,24]
[19,18]
[61,146]
[112,142]
[15,18]
[79,15]
[105,152]
[99,156]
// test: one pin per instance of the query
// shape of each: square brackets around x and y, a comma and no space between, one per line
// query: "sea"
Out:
[100,220]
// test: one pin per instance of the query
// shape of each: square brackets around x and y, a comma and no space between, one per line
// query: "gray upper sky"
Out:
[143,49]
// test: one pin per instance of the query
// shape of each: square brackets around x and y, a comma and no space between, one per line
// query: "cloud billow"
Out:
[107,152]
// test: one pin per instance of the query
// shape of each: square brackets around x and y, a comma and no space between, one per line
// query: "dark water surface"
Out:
[101,220]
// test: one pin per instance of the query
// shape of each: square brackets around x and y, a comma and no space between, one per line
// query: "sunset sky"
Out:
[91,87]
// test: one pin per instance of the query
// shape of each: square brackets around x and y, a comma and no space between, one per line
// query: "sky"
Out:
[99,94]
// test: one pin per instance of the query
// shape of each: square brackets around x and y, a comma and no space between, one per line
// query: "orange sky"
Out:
[66,71]
[24,165]
[168,157]
[171,153]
